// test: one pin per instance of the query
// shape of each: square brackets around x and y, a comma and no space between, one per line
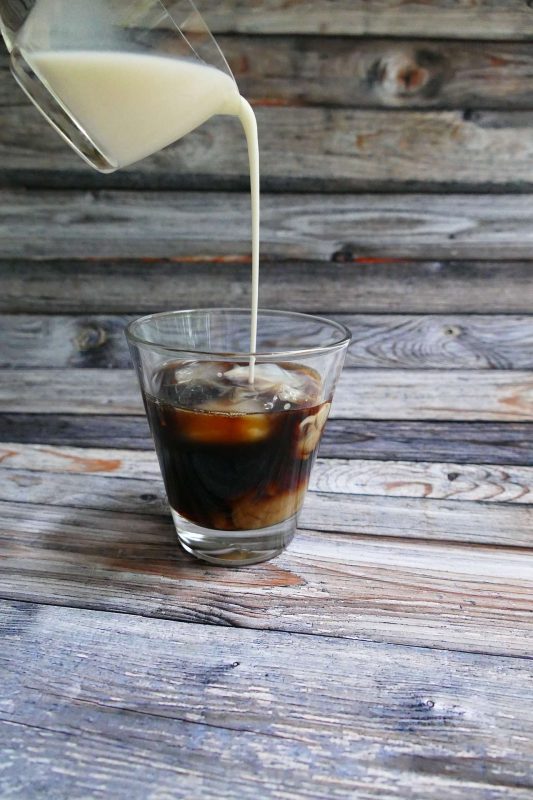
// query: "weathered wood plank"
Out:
[130,432]
[463,442]
[441,342]
[416,518]
[471,598]
[442,481]
[379,702]
[302,149]
[395,341]
[367,73]
[110,482]
[122,767]
[380,73]
[454,395]
[440,395]
[430,480]
[323,511]
[350,284]
[199,227]
[477,19]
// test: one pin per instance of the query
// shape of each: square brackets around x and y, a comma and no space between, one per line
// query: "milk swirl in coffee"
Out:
[235,456]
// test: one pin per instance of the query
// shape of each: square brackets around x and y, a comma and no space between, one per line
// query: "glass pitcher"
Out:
[118,79]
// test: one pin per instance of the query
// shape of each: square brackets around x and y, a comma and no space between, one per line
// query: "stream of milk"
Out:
[133,104]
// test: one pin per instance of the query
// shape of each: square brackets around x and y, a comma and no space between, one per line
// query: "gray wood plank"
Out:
[437,480]
[350,283]
[341,71]
[342,497]
[463,442]
[452,395]
[445,595]
[302,149]
[199,227]
[92,430]
[379,341]
[478,19]
[219,712]
[381,73]
[447,481]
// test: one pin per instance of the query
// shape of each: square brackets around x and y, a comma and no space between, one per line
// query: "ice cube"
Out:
[198,383]
[276,383]
[195,395]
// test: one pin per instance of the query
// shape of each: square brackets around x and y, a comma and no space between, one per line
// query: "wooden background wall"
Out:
[397,164]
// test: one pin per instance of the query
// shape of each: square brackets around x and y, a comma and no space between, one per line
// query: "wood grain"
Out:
[478,19]
[407,716]
[94,430]
[379,341]
[422,479]
[114,481]
[458,395]
[302,149]
[200,227]
[350,283]
[340,71]
[434,394]
[400,518]
[380,73]
[452,596]
[464,442]
[418,529]
[448,481]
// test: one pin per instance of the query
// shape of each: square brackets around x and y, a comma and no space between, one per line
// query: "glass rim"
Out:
[343,341]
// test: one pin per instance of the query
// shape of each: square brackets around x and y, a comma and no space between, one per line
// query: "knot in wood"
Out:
[90,337]
[404,74]
[399,75]
[452,330]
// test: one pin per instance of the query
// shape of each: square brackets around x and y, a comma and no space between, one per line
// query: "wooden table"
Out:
[388,652]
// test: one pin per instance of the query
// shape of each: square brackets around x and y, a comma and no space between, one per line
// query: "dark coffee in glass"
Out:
[235,457]
[236,432]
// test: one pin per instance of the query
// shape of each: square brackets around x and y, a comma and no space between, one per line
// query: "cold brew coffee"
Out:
[236,456]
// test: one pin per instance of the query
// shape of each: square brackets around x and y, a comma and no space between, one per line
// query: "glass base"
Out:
[234,548]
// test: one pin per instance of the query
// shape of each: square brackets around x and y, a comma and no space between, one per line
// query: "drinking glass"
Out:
[118,79]
[236,467]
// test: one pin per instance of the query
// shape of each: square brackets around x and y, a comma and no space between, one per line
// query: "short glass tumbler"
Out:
[236,433]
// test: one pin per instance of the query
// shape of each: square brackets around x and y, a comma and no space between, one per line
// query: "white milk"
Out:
[132,105]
